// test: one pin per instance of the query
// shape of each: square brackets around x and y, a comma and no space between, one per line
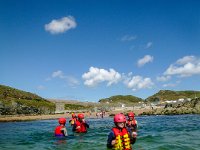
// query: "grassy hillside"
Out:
[164,95]
[78,107]
[121,99]
[14,101]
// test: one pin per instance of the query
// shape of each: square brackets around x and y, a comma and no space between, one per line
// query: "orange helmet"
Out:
[81,116]
[119,118]
[131,114]
[62,121]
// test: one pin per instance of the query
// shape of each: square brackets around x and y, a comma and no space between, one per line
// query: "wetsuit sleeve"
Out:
[74,127]
[111,137]
[87,125]
[132,139]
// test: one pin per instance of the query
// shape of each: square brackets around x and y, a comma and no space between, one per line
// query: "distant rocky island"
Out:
[165,102]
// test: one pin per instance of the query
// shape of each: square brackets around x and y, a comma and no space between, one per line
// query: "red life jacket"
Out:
[122,139]
[132,123]
[82,128]
[58,131]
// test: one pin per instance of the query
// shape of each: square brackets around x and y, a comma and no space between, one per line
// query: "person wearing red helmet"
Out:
[61,131]
[131,125]
[80,125]
[119,137]
[73,119]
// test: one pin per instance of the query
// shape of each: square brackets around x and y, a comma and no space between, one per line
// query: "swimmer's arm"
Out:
[64,130]
[74,127]
[110,141]
[87,125]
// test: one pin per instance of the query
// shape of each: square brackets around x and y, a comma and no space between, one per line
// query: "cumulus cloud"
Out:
[186,59]
[72,81]
[146,59]
[186,66]
[163,78]
[128,38]
[148,45]
[96,76]
[61,25]
[138,82]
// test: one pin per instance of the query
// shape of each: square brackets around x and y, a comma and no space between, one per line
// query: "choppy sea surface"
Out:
[179,132]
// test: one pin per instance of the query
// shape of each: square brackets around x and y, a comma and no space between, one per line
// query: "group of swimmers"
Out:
[78,123]
[121,137]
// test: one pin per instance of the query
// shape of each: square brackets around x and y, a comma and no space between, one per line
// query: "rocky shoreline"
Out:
[16,118]
[192,107]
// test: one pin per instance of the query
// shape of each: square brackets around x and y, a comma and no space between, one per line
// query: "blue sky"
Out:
[70,49]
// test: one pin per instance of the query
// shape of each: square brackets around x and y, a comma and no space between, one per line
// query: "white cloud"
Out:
[58,74]
[185,60]
[171,84]
[61,25]
[163,78]
[186,66]
[128,38]
[96,76]
[146,59]
[72,81]
[138,82]
[148,45]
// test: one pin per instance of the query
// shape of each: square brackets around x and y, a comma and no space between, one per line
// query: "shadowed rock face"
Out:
[191,107]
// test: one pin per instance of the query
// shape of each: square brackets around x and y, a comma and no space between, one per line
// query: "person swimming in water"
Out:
[132,125]
[119,137]
[73,119]
[80,125]
[61,131]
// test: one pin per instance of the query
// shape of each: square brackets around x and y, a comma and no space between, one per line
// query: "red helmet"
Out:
[73,115]
[62,121]
[131,114]
[81,116]
[119,118]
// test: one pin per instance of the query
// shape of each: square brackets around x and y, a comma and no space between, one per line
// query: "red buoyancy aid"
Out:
[58,131]
[122,139]
[132,124]
[82,128]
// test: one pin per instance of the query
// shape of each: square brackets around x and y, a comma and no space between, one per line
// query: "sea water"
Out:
[179,132]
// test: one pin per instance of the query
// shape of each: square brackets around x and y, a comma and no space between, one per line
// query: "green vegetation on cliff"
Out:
[14,101]
[164,95]
[121,99]
[77,107]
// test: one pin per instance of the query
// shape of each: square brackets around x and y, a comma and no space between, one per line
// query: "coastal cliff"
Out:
[17,102]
